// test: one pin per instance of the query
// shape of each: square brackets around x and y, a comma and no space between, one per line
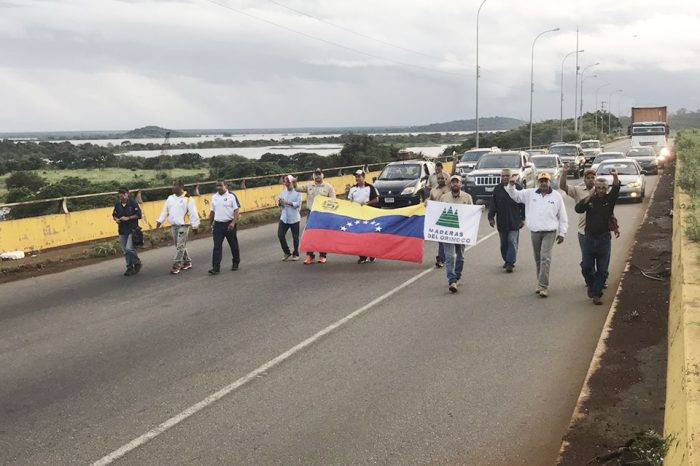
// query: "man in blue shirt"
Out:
[127,214]
[290,202]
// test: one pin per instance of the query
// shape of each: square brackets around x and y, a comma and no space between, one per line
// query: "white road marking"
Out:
[214,397]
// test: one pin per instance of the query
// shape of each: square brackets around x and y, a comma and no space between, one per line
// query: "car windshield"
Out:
[600,158]
[536,152]
[623,168]
[400,172]
[499,161]
[648,130]
[564,150]
[544,162]
[473,155]
[641,152]
[590,145]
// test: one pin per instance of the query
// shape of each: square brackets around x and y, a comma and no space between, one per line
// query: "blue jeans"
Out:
[595,261]
[221,232]
[509,245]
[441,253]
[454,261]
[130,255]
[282,229]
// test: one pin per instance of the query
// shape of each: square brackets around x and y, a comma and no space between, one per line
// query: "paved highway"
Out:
[91,360]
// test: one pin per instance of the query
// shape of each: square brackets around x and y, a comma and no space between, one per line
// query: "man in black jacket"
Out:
[598,207]
[510,218]
[127,214]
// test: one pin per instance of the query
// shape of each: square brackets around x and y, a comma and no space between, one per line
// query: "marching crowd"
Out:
[512,207]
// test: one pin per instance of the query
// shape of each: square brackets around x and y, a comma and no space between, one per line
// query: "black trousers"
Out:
[220,232]
[282,235]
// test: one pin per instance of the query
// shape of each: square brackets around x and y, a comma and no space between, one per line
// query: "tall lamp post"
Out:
[610,106]
[532,74]
[561,101]
[580,113]
[596,108]
[478,12]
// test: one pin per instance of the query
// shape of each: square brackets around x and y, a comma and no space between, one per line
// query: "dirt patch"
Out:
[69,257]
[627,392]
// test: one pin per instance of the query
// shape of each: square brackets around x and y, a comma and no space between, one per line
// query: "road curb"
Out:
[601,346]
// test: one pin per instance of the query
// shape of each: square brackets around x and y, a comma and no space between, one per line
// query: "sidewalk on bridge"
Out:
[622,402]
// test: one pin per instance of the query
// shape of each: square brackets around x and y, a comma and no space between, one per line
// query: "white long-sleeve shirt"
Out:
[175,209]
[542,212]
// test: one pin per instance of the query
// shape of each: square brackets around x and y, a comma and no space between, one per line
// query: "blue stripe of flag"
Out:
[390,224]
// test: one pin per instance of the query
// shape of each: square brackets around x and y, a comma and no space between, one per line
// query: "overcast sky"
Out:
[119,64]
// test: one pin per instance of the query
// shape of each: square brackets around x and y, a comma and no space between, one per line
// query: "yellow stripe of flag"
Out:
[361,212]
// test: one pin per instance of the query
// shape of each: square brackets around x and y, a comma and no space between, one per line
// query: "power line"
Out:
[329,42]
[359,34]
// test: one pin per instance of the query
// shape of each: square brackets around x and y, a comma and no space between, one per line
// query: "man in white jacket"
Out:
[545,216]
[176,208]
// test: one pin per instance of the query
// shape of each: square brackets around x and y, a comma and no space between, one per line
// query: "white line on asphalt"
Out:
[214,397]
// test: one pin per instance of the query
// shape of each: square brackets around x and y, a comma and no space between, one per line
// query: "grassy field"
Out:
[107,174]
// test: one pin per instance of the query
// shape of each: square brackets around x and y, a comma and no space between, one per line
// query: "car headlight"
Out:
[635,184]
[408,190]
[664,152]
[660,158]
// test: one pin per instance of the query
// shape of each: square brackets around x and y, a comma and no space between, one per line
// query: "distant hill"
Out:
[485,124]
[150,132]
[684,119]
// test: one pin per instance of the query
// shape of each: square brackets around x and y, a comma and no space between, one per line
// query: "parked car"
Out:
[571,154]
[487,173]
[469,159]
[632,180]
[401,184]
[647,159]
[591,149]
[606,156]
[550,163]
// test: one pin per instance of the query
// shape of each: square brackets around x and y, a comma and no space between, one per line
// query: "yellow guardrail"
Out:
[682,415]
[51,231]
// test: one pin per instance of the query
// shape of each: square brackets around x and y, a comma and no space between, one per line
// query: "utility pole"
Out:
[576,87]
[580,113]
[477,72]
[532,74]
[561,101]
[596,108]
[610,106]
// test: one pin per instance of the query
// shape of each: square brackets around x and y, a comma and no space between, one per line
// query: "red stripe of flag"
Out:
[381,246]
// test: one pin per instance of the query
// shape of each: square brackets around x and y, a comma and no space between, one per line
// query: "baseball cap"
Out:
[318,171]
[456,177]
[589,171]
[290,178]
[544,176]
[359,172]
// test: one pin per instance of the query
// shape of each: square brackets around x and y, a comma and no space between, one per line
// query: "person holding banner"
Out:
[364,194]
[435,195]
[546,218]
[317,188]
[454,253]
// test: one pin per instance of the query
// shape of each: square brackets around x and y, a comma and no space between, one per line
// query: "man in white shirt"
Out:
[364,194]
[317,188]
[176,208]
[290,202]
[224,215]
[545,217]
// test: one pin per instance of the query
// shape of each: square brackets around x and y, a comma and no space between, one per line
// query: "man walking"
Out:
[435,195]
[127,214]
[546,218]
[317,188]
[224,215]
[290,202]
[364,194]
[578,193]
[509,217]
[454,253]
[176,208]
[598,208]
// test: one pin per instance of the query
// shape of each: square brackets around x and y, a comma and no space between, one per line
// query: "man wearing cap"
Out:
[454,253]
[317,188]
[364,194]
[290,202]
[127,213]
[224,215]
[578,193]
[508,217]
[435,195]
[546,218]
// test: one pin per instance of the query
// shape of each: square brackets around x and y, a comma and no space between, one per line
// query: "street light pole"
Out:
[576,87]
[532,74]
[610,106]
[580,113]
[478,12]
[561,101]
[596,108]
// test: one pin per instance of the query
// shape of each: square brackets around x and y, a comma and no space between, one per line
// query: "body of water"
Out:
[248,152]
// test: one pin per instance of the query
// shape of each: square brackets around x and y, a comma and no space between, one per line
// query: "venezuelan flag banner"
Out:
[344,227]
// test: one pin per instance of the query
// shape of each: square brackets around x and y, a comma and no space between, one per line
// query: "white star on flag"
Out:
[365,222]
[349,224]
[378,228]
[357,222]
[343,228]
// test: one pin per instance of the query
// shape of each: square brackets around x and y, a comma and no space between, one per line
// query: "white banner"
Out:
[452,223]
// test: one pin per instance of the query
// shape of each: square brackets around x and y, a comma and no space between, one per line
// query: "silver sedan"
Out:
[632,180]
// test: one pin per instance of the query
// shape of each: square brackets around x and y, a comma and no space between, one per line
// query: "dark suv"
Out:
[481,182]
[571,154]
[403,183]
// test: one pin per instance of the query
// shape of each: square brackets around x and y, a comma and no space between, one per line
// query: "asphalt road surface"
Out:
[91,360]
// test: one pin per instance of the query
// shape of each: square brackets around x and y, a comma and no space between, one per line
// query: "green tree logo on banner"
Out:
[448,218]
